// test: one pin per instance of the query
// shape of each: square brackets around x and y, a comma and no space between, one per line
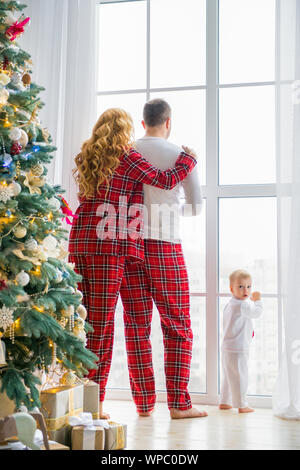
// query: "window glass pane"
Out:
[247,41]
[188,122]
[263,359]
[247,135]
[248,240]
[133,103]
[178,37]
[193,232]
[122,46]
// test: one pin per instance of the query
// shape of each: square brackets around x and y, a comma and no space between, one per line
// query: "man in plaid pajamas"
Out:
[162,278]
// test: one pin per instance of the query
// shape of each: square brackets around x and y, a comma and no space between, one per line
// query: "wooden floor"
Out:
[221,430]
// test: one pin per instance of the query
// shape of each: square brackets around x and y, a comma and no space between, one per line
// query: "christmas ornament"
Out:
[82,312]
[67,210]
[4,79]
[23,279]
[37,170]
[6,317]
[6,159]
[16,79]
[23,140]
[55,203]
[5,192]
[3,284]
[20,231]
[49,243]
[26,79]
[15,134]
[16,148]
[19,254]
[16,29]
[10,18]
[4,95]
[69,378]
[58,278]
[3,363]
[34,183]
[16,188]
[45,134]
[78,292]
[31,244]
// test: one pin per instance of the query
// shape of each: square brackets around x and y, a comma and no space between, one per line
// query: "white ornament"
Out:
[23,140]
[16,78]
[2,354]
[4,95]
[6,317]
[10,18]
[15,134]
[82,312]
[58,278]
[4,79]
[31,244]
[7,159]
[20,231]
[23,279]
[49,243]
[78,292]
[54,202]
[5,192]
[16,188]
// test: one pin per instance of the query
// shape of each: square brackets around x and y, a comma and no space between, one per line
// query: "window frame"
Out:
[213,192]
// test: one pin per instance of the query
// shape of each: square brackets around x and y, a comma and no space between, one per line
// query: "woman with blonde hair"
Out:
[110,175]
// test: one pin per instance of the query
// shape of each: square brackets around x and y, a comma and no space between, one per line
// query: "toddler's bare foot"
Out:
[102,414]
[190,413]
[225,407]
[246,410]
[144,414]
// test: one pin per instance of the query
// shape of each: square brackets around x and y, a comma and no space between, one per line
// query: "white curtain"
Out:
[286,398]
[62,41]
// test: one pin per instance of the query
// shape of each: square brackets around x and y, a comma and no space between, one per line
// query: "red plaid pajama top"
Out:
[127,184]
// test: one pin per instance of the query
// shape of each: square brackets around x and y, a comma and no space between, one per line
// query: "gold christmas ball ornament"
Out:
[37,170]
[69,378]
[82,312]
[20,231]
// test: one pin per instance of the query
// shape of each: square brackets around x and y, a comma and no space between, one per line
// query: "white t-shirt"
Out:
[237,324]
[162,220]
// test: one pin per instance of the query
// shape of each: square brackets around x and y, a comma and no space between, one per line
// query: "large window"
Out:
[214,62]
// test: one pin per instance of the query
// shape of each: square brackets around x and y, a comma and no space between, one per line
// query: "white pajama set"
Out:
[237,337]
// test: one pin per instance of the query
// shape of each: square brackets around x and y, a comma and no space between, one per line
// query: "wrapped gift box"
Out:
[115,436]
[84,438]
[56,446]
[91,398]
[57,405]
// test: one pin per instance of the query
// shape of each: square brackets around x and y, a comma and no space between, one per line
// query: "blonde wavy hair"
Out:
[100,154]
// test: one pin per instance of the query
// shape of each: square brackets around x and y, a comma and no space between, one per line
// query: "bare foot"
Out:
[190,413]
[246,410]
[225,407]
[144,414]
[103,415]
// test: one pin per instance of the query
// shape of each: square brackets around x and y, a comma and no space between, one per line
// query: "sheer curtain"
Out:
[286,398]
[62,42]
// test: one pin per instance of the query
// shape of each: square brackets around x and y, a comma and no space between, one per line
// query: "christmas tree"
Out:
[42,319]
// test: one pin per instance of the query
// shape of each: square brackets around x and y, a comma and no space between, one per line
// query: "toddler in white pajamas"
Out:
[237,337]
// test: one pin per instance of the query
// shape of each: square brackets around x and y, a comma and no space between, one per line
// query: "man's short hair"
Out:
[156,112]
[239,274]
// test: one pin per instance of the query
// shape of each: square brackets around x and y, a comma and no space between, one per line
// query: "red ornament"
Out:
[3,284]
[16,29]
[65,208]
[15,148]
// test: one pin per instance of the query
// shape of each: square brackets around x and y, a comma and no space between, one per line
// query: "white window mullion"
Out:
[212,145]
[148,49]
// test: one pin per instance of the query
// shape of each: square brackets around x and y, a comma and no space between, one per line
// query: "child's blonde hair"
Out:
[239,274]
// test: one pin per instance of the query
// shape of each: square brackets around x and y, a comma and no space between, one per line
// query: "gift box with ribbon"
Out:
[91,398]
[115,436]
[87,434]
[58,405]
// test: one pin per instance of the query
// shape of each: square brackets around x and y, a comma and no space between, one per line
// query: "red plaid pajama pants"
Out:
[102,277]
[162,278]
